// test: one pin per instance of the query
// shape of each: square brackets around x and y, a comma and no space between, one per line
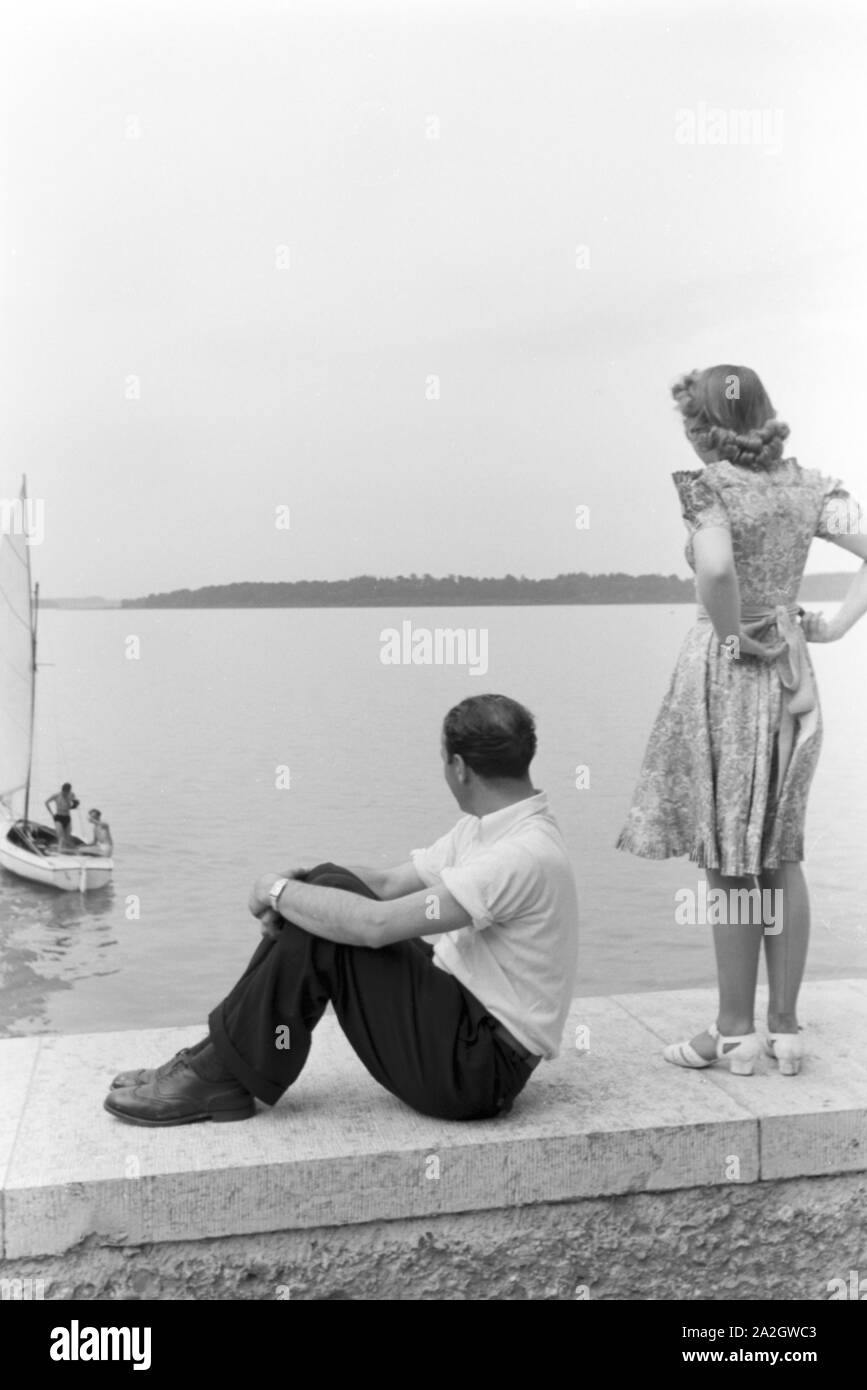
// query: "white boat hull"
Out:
[73,873]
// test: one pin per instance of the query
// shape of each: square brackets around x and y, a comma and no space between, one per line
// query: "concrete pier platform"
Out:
[609,1175]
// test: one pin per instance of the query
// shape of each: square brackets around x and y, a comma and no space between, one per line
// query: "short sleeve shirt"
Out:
[510,871]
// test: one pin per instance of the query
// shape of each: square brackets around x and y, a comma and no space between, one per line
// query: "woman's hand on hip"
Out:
[745,643]
[817,628]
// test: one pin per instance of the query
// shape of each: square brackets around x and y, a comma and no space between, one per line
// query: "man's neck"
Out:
[497,796]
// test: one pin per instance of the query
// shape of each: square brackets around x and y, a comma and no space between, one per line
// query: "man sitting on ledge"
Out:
[454,1029]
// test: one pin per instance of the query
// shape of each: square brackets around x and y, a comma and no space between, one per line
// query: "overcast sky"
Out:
[428,171]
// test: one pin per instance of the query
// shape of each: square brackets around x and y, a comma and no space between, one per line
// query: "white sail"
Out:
[27,848]
[16,646]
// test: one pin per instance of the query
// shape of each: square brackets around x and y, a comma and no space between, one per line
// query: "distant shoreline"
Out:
[456,591]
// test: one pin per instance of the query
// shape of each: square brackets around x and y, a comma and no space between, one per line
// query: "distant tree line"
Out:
[369,591]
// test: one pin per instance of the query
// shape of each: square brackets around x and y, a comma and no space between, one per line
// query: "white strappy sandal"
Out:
[788,1050]
[741,1052]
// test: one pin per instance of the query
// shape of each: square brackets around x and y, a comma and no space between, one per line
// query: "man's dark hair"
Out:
[67,787]
[494,735]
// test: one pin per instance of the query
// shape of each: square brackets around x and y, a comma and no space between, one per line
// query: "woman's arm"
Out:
[718,588]
[820,629]
[854,605]
[717,580]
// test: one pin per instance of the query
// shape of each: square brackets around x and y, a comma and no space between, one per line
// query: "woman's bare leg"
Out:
[737,946]
[786,950]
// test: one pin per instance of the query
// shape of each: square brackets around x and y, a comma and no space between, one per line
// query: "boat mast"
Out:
[34,609]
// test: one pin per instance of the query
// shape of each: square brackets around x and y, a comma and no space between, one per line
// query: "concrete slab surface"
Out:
[811,1124]
[608,1117]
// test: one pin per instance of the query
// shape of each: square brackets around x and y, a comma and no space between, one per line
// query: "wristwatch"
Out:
[274,893]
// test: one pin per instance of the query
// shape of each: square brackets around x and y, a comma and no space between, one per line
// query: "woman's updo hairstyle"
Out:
[726,410]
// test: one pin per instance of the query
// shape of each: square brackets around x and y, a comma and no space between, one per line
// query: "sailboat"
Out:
[27,848]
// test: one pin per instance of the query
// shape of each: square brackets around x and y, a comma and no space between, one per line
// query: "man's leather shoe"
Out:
[143,1075]
[180,1097]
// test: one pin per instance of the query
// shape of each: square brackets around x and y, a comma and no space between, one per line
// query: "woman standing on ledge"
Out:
[733,750]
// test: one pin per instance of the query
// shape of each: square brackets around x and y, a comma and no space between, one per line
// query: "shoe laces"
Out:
[174,1063]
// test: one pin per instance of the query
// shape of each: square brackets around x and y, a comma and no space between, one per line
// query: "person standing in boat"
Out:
[731,756]
[60,806]
[102,843]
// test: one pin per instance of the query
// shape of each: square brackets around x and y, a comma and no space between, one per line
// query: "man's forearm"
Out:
[337,915]
[374,878]
[332,913]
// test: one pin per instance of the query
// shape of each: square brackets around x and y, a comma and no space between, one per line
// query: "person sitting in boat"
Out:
[64,804]
[101,843]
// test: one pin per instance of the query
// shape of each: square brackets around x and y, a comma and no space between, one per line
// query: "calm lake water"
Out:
[181,749]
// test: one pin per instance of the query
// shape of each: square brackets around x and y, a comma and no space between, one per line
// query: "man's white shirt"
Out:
[510,871]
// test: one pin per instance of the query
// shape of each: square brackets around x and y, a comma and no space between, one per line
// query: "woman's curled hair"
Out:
[727,410]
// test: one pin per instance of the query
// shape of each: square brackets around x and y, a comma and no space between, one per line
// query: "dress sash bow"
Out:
[800,705]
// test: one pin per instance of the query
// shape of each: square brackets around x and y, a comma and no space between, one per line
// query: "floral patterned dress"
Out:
[714,784]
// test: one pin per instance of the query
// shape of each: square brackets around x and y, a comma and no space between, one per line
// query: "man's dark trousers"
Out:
[418,1031]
